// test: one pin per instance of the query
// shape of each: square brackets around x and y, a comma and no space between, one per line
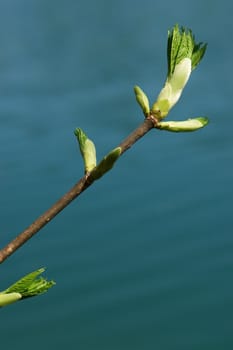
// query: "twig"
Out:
[149,123]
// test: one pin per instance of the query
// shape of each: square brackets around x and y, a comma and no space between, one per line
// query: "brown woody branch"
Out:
[149,123]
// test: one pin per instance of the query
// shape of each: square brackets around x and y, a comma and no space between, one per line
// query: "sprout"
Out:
[183,55]
[87,149]
[28,286]
[186,125]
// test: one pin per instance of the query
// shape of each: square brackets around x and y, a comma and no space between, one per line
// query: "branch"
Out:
[183,54]
[149,123]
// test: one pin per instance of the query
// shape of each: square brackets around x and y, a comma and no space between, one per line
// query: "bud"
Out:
[183,56]
[87,149]
[106,164]
[183,126]
[142,100]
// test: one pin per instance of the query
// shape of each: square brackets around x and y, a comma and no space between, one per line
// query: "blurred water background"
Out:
[144,258]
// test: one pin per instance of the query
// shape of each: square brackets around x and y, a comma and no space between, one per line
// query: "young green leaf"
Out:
[30,285]
[198,53]
[181,44]
[183,55]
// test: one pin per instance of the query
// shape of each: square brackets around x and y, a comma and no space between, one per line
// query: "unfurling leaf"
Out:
[183,55]
[28,286]
[181,44]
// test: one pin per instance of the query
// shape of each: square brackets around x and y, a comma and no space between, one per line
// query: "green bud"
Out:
[142,100]
[183,55]
[183,126]
[6,299]
[105,164]
[87,149]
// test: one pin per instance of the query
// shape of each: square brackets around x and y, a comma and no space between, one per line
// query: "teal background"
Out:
[144,258]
